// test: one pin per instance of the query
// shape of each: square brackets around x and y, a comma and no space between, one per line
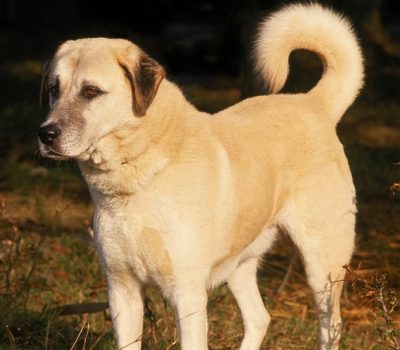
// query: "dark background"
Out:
[189,37]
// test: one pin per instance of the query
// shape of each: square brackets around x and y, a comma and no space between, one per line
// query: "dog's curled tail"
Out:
[322,31]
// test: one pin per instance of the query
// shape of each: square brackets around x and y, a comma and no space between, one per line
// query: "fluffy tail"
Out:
[320,30]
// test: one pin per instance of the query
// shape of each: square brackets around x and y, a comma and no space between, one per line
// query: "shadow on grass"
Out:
[27,330]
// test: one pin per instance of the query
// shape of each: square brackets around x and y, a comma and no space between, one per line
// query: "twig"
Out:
[386,316]
[86,336]
[79,309]
[11,337]
[172,335]
[170,345]
[46,340]
[384,302]
[152,317]
[138,339]
[287,274]
[79,335]
[167,318]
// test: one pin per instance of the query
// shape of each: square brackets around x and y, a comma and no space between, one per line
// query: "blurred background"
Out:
[52,290]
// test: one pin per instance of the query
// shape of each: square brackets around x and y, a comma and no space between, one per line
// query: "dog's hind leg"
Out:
[321,223]
[243,285]
[326,284]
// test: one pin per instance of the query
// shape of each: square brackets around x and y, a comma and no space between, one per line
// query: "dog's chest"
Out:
[128,246]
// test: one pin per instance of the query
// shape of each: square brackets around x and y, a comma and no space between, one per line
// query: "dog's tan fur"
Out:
[187,200]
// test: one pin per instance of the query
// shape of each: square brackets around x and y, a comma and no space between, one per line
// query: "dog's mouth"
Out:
[48,152]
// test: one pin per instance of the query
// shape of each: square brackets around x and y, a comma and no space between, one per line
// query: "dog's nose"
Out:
[48,133]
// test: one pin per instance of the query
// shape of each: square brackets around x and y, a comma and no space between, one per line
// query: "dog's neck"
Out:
[139,153]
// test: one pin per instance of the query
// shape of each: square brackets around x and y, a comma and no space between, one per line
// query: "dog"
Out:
[188,200]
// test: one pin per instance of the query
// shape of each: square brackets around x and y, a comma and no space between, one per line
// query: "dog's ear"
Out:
[145,76]
[44,85]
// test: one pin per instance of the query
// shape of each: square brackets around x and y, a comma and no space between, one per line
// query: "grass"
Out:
[47,258]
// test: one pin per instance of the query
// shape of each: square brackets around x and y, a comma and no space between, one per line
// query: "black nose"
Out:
[48,133]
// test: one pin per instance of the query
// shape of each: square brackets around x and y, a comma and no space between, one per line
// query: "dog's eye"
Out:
[90,92]
[54,90]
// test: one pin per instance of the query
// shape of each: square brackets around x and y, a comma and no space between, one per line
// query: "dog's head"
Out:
[94,86]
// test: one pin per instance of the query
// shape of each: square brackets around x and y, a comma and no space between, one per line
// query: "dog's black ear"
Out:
[44,85]
[144,77]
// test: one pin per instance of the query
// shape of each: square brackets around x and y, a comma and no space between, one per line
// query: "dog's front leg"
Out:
[191,316]
[126,305]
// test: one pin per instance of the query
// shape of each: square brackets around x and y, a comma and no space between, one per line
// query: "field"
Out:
[47,259]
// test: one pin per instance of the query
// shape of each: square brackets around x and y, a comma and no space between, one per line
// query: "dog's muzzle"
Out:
[49,133]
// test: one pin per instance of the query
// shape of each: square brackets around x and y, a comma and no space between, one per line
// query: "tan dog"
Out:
[186,200]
